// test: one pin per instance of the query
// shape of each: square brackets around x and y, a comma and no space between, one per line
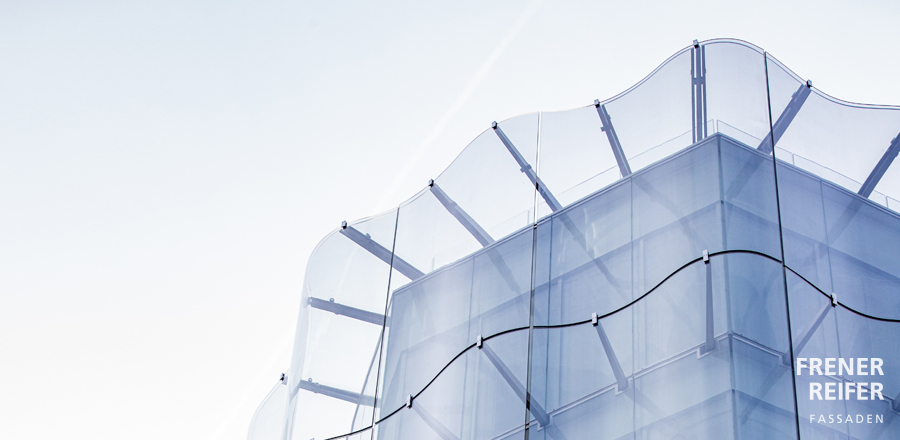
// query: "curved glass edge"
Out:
[340,322]
[266,423]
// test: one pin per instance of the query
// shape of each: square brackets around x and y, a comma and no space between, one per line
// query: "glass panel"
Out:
[433,231]
[436,317]
[584,253]
[865,261]
[268,420]
[865,338]
[583,260]
[574,378]
[654,118]
[576,158]
[704,355]
[807,305]
[838,141]
[748,193]
[803,222]
[736,91]
[764,399]
[755,292]
[474,397]
[676,214]
[486,181]
[735,82]
[684,383]
[339,326]
[840,242]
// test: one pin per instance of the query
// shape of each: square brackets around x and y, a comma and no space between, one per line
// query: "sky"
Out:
[167,167]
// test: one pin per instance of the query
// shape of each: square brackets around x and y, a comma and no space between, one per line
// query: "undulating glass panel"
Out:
[836,140]
[735,83]
[339,326]
[607,210]
[654,119]
[576,156]
[488,181]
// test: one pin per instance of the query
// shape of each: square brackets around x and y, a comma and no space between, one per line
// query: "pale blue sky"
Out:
[167,167]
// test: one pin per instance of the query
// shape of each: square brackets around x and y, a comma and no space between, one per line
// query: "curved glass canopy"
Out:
[647,265]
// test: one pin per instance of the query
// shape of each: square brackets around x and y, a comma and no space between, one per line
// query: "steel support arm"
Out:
[337,393]
[710,310]
[880,168]
[786,117]
[461,216]
[810,329]
[542,417]
[366,242]
[350,312]
[442,431]
[621,380]
[526,168]
[613,138]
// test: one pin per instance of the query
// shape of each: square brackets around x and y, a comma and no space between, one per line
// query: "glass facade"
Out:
[647,267]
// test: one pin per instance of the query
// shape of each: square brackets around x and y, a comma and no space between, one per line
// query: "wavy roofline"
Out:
[767,56]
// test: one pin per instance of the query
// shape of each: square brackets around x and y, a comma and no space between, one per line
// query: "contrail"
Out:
[461,100]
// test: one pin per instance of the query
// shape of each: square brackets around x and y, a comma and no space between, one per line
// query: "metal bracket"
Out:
[834,301]
[479,342]
[409,399]
[705,256]
[594,320]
